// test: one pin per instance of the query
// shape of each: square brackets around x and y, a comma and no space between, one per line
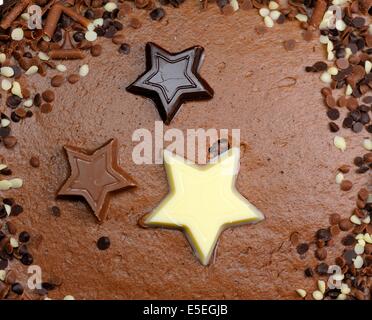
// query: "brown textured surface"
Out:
[287,170]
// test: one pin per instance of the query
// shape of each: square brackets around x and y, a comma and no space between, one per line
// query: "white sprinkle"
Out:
[359,249]
[16,89]
[358,262]
[341,297]
[264,12]
[301,292]
[339,143]
[367,238]
[2,57]
[268,22]
[61,68]
[8,209]
[321,286]
[326,77]
[367,144]
[84,70]
[28,103]
[2,275]
[349,90]
[368,66]
[5,122]
[5,185]
[98,22]
[354,219]
[317,295]
[7,72]
[332,71]
[340,25]
[43,56]
[273,5]
[32,70]
[345,289]
[17,34]
[16,183]
[68,297]
[301,17]
[6,84]
[275,15]
[323,39]
[91,36]
[14,242]
[367,220]
[339,177]
[110,6]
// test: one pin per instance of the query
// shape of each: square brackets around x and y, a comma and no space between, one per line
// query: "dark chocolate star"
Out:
[94,175]
[171,79]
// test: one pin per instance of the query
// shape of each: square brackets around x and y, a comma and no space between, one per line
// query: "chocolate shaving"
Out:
[318,13]
[13,14]
[66,54]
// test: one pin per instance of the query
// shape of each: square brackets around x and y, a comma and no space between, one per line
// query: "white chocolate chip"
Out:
[358,262]
[16,183]
[5,122]
[367,144]
[345,289]
[14,242]
[341,297]
[2,275]
[275,15]
[91,36]
[367,220]
[301,292]
[367,238]
[17,34]
[25,16]
[43,56]
[16,89]
[349,90]
[98,22]
[7,72]
[354,219]
[340,25]
[332,71]
[317,295]
[321,286]
[68,297]
[323,39]
[3,166]
[362,242]
[234,4]
[359,236]
[110,6]
[6,84]
[32,70]
[5,185]
[273,5]
[348,53]
[326,77]
[28,103]
[61,68]
[84,70]
[339,177]
[268,22]
[301,17]
[264,12]
[2,57]
[339,143]
[338,277]
[359,249]
[368,66]
[8,209]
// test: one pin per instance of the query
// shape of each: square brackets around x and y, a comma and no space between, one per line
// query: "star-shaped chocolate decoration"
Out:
[171,79]
[95,175]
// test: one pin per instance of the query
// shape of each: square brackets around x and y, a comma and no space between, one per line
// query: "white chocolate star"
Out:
[203,201]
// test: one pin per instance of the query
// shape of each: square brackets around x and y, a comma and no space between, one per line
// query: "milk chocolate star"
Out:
[171,79]
[94,175]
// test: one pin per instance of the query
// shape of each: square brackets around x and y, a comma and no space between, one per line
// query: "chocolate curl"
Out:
[318,13]
[13,14]
[52,20]
[66,54]
[76,16]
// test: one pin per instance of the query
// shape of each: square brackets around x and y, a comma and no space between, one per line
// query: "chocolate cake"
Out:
[294,77]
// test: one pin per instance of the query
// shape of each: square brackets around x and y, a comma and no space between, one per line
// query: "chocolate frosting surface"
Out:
[287,166]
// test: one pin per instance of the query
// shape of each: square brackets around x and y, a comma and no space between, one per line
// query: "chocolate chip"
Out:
[323,234]
[349,255]
[333,127]
[157,14]
[13,101]
[73,78]
[96,50]
[346,185]
[302,248]
[124,48]
[24,237]
[16,210]
[349,240]
[10,142]
[48,96]
[35,162]
[320,66]
[333,113]
[103,243]
[348,122]
[56,211]
[17,288]
[334,218]
[344,168]
[345,225]
[27,259]
[57,81]
[309,272]
[322,269]
[37,100]
[357,127]
[321,254]
[46,108]
[79,36]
